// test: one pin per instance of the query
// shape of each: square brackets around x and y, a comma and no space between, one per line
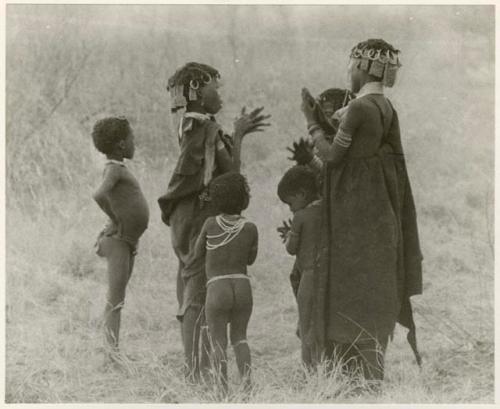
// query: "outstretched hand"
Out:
[252,122]
[283,230]
[302,151]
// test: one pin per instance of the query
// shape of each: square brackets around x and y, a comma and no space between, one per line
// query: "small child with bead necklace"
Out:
[229,243]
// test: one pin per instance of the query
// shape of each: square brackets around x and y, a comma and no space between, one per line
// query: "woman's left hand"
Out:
[308,106]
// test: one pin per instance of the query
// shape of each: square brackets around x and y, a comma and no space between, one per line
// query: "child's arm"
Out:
[316,164]
[101,195]
[293,237]
[252,254]
[225,161]
[295,279]
[245,124]
[200,247]
[303,154]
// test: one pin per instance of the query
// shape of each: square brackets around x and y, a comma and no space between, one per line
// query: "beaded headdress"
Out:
[183,87]
[186,81]
[378,59]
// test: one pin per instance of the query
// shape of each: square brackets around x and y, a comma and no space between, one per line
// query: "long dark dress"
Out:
[369,263]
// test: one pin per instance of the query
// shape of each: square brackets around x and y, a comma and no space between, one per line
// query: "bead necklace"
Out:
[230,229]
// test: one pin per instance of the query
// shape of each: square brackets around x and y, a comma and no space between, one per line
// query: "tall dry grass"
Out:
[68,66]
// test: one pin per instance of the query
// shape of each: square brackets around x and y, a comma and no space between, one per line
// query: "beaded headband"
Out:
[178,100]
[382,64]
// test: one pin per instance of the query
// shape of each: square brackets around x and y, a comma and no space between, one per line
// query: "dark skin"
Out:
[117,252]
[283,230]
[302,151]
[296,201]
[124,149]
[232,258]
[334,152]
[209,102]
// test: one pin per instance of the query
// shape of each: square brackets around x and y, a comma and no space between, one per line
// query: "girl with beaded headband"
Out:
[369,262]
[205,152]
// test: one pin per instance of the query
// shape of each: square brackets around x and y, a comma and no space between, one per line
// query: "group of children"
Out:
[213,242]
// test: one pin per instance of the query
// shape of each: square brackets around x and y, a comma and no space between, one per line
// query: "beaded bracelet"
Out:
[313,127]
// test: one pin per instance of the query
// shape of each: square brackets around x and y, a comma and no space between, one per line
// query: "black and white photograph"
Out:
[249,203]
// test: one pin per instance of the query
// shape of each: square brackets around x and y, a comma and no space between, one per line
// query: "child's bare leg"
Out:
[131,266]
[217,321]
[244,361]
[191,337]
[239,322]
[218,333]
[217,309]
[205,349]
[119,270]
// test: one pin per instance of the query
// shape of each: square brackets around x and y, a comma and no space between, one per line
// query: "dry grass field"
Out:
[68,66]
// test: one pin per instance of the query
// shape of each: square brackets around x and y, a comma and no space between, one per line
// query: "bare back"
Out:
[232,257]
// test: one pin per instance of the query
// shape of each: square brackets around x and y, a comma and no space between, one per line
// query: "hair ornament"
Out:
[364,64]
[371,54]
[376,69]
[390,75]
[379,59]
[177,98]
[207,78]
[385,57]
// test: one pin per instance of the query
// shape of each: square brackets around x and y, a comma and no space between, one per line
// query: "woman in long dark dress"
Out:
[369,260]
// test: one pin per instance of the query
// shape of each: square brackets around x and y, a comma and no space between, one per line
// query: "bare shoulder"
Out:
[299,216]
[114,169]
[250,227]
[113,172]
[210,222]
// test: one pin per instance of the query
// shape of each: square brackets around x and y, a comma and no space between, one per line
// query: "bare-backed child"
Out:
[229,243]
[121,199]
[298,189]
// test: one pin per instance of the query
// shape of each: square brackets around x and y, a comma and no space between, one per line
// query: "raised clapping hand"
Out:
[308,106]
[302,151]
[283,230]
[252,122]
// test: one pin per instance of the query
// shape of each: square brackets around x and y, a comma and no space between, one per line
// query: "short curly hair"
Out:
[108,132]
[229,193]
[192,71]
[296,179]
